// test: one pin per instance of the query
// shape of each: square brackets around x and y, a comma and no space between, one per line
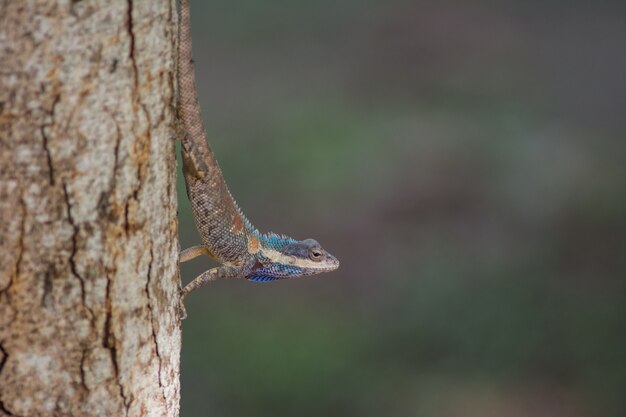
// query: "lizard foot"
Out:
[181,307]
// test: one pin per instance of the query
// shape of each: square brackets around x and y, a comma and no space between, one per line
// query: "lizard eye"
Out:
[315,255]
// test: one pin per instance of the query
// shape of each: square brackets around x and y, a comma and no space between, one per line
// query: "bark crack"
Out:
[109,342]
[47,286]
[104,208]
[145,146]
[131,33]
[76,230]
[72,258]
[116,152]
[126,221]
[5,357]
[20,249]
[45,139]
[4,409]
[154,335]
[18,263]
[133,60]
[83,356]
[48,155]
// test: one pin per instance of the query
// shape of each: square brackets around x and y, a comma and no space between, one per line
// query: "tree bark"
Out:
[88,237]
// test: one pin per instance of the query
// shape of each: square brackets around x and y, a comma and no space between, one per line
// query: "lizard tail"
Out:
[188,105]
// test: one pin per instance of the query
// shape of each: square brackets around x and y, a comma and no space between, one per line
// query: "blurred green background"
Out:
[466,162]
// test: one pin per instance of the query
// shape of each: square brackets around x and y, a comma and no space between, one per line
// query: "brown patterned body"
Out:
[222,226]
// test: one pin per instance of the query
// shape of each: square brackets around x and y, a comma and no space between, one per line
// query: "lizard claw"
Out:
[181,308]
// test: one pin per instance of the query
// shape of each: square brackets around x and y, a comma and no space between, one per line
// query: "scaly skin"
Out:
[227,235]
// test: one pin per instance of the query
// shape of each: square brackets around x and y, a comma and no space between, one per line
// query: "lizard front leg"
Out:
[221,272]
[195,251]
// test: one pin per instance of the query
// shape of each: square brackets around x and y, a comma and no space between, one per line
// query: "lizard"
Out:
[227,235]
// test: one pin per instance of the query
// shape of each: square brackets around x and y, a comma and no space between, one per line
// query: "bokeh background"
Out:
[466,162]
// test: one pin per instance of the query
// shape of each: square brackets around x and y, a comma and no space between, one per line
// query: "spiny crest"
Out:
[247,224]
[275,241]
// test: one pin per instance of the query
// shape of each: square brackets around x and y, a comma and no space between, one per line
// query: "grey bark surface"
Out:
[89,280]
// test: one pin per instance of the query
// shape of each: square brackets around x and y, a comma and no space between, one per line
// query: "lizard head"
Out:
[288,258]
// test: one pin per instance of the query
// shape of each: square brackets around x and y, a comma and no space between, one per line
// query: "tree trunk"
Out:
[88,237]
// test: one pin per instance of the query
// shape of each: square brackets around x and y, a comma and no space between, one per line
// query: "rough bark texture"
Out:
[88,236]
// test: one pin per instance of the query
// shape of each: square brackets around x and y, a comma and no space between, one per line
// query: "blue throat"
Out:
[271,271]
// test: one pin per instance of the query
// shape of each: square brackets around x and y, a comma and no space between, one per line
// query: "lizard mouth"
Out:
[330,263]
[334,263]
